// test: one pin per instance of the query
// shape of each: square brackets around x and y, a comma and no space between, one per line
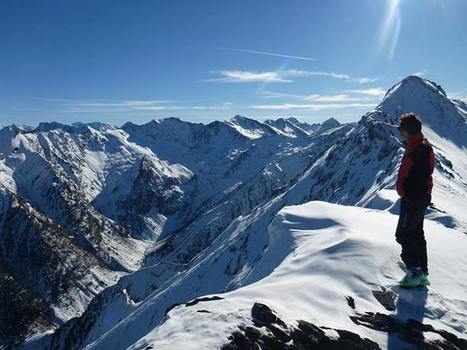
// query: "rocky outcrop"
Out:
[387,298]
[268,331]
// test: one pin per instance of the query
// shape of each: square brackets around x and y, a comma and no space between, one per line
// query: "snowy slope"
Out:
[375,266]
[251,128]
[319,254]
[426,98]
[109,194]
[55,243]
[172,256]
[183,210]
[290,126]
[221,249]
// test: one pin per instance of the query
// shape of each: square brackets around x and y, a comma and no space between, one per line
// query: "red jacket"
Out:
[416,169]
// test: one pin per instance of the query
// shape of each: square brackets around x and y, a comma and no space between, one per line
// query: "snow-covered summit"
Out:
[251,128]
[295,127]
[415,82]
[329,124]
[430,102]
[290,126]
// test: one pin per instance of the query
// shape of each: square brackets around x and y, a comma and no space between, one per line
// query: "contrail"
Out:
[270,54]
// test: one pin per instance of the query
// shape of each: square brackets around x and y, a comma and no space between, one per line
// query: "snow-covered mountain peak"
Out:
[411,91]
[162,130]
[159,123]
[414,82]
[294,120]
[49,126]
[239,118]
[291,127]
[12,129]
[294,127]
[251,128]
[173,120]
[428,100]
[78,127]
[93,125]
[329,124]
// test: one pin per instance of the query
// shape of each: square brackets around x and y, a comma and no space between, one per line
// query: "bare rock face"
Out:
[387,298]
[268,331]
[27,310]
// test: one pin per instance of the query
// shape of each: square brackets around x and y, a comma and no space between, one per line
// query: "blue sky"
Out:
[117,61]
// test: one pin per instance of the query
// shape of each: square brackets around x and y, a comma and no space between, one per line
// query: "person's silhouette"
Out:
[414,185]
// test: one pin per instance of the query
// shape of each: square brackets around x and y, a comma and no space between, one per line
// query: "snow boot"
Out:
[425,281]
[414,278]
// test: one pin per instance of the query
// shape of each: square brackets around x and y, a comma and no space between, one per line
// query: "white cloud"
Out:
[374,92]
[421,73]
[123,103]
[274,94]
[362,80]
[306,73]
[357,95]
[238,76]
[330,98]
[280,76]
[315,106]
[100,106]
[340,76]
[223,106]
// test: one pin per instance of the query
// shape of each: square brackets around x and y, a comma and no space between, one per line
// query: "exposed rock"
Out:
[350,302]
[263,315]
[204,311]
[197,300]
[387,298]
[270,332]
[26,311]
[194,302]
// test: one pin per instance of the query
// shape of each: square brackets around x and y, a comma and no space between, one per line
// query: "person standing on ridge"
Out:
[414,184]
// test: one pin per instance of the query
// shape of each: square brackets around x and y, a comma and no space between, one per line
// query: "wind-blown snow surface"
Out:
[318,254]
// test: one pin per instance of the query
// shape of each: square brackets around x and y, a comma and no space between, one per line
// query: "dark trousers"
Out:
[410,234]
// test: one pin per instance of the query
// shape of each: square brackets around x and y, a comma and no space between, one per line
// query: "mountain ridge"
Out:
[169,206]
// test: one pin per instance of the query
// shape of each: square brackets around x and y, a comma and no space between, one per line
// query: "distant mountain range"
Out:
[104,230]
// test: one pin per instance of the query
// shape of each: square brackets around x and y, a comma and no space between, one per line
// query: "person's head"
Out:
[410,124]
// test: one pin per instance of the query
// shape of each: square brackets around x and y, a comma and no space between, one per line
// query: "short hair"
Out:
[411,123]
